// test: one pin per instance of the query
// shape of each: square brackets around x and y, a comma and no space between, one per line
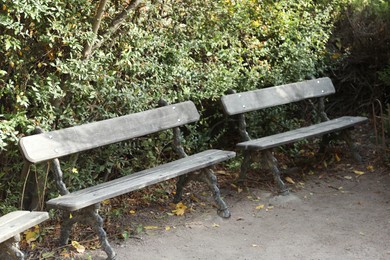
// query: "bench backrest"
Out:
[239,103]
[58,143]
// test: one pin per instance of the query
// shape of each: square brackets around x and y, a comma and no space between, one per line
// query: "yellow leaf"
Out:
[215,225]
[151,227]
[337,157]
[106,202]
[70,215]
[180,209]
[74,170]
[261,206]
[289,180]
[370,168]
[348,177]
[79,248]
[358,172]
[132,211]
[31,236]
[167,228]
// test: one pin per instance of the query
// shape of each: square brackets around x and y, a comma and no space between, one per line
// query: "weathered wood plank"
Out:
[92,195]
[301,133]
[16,222]
[268,97]
[55,144]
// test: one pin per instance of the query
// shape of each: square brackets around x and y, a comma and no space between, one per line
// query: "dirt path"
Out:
[344,216]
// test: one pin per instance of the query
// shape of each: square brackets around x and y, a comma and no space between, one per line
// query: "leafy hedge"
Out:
[56,72]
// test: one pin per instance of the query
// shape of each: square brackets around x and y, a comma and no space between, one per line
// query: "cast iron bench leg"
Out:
[66,227]
[272,164]
[97,222]
[11,249]
[346,135]
[181,183]
[208,176]
[91,217]
[245,165]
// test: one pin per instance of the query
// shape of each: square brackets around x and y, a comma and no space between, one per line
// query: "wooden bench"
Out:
[240,103]
[11,225]
[84,203]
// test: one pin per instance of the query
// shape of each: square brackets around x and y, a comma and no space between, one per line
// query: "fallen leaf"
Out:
[348,177]
[31,236]
[79,248]
[289,180]
[106,202]
[167,228]
[337,157]
[358,172]
[180,209]
[125,235]
[215,225]
[370,168]
[221,172]
[194,198]
[233,185]
[261,206]
[132,211]
[151,227]
[48,255]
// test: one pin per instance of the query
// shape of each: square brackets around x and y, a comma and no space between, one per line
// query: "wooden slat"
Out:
[92,195]
[268,97]
[18,221]
[301,133]
[55,144]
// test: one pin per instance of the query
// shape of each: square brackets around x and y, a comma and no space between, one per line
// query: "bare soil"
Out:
[337,209]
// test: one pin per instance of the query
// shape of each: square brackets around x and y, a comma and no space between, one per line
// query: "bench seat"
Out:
[12,224]
[92,195]
[302,133]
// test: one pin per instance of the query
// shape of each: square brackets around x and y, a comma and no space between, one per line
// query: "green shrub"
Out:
[175,50]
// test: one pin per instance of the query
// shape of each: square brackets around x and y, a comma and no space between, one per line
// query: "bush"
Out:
[362,37]
[175,50]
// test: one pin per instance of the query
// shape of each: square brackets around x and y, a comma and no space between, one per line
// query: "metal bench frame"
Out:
[84,204]
[11,225]
[240,103]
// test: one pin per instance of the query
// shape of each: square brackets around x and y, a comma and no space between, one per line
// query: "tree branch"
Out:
[115,24]
[95,28]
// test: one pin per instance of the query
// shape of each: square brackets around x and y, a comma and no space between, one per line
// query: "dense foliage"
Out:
[59,67]
[362,37]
